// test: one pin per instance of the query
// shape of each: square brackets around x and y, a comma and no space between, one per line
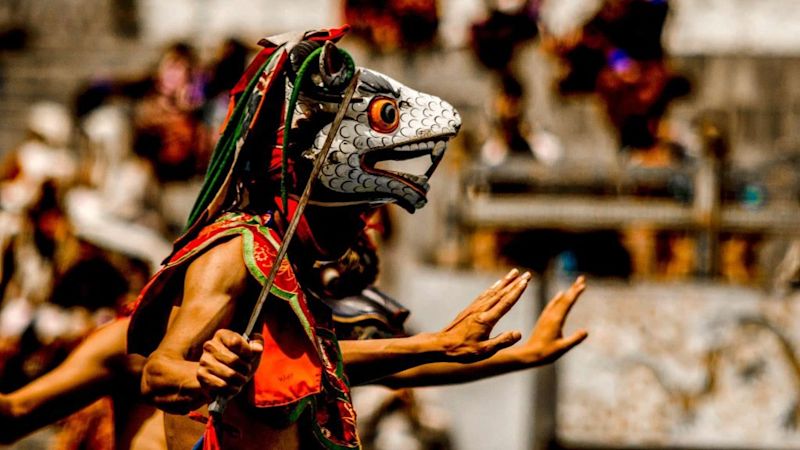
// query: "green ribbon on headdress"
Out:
[223,157]
[296,88]
[298,81]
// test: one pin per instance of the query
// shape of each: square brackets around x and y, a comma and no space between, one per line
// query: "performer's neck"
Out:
[327,232]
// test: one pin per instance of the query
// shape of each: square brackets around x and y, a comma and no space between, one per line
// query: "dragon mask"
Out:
[386,122]
[281,113]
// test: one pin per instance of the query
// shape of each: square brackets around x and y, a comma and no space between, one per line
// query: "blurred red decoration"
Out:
[495,38]
[618,55]
[390,25]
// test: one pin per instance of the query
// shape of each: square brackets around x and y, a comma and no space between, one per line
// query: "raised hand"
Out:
[228,362]
[467,338]
[547,343]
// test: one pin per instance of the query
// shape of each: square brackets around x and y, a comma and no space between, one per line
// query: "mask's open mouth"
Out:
[411,163]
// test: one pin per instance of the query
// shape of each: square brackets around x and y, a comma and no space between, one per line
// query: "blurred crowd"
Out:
[104,184]
[616,56]
[92,198]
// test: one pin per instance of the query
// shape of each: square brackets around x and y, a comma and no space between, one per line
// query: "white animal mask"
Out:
[386,121]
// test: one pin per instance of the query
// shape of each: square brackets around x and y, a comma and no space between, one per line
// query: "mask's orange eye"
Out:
[384,117]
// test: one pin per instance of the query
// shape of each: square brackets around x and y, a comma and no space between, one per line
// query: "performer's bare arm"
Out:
[545,345]
[465,340]
[82,378]
[194,363]
[180,375]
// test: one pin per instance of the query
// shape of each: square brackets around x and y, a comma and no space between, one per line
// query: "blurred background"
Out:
[652,145]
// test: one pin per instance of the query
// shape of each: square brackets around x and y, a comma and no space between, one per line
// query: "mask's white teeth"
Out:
[438,149]
[416,179]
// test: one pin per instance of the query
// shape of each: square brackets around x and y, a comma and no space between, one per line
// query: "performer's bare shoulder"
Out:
[181,374]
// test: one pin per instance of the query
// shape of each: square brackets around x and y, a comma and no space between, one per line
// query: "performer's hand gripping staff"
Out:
[240,346]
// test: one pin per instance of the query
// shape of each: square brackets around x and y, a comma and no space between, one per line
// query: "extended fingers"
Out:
[563,302]
[490,295]
[576,338]
[505,281]
[497,343]
[577,286]
[573,293]
[508,285]
[510,296]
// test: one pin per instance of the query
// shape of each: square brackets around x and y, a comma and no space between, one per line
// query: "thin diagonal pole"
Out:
[218,405]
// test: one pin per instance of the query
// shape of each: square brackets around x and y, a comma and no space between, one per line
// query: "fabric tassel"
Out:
[210,439]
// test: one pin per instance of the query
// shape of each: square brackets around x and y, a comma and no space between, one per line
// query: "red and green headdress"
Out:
[280,115]
[258,97]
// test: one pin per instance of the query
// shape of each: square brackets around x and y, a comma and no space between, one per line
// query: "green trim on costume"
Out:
[190,254]
[340,361]
[298,410]
[298,311]
[265,231]
[261,277]
[325,441]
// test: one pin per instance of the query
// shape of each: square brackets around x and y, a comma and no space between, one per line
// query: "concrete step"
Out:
[58,73]
[55,73]
[10,139]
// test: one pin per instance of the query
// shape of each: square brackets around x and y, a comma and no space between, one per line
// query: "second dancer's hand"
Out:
[547,342]
[468,337]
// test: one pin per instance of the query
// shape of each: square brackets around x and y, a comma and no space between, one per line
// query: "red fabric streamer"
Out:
[210,438]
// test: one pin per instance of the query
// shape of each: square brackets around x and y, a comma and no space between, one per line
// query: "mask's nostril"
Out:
[457,121]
